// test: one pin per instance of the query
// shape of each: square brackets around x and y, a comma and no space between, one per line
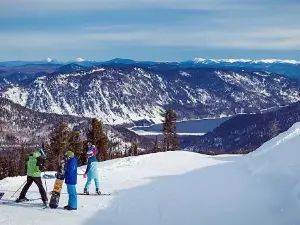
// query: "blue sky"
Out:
[160,30]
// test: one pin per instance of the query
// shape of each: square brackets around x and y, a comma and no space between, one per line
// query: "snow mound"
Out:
[175,188]
[279,155]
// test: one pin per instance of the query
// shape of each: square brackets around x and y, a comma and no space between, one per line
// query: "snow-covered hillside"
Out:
[244,133]
[20,125]
[176,188]
[127,94]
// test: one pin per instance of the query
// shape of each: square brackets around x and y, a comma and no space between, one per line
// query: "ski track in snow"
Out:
[175,188]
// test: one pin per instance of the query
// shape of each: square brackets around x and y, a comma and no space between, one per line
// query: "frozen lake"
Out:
[189,127]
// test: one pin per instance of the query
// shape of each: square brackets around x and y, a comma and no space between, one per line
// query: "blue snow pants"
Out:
[92,175]
[72,196]
[89,181]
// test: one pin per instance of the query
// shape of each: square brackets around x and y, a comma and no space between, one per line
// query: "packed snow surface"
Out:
[176,188]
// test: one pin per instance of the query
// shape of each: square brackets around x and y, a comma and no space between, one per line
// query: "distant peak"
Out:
[50,60]
[288,61]
[80,59]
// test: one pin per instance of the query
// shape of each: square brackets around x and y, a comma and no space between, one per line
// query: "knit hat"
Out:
[70,154]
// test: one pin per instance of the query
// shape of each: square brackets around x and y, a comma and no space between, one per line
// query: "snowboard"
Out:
[94,194]
[55,194]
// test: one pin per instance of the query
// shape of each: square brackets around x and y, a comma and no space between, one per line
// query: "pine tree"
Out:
[22,162]
[94,133]
[96,136]
[135,149]
[82,156]
[59,144]
[3,168]
[169,130]
[156,148]
[174,137]
[175,144]
[12,167]
[130,150]
[103,144]
[76,146]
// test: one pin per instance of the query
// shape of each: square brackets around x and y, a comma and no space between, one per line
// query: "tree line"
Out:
[62,139]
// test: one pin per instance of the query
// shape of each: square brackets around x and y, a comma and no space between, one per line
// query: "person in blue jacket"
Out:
[91,172]
[71,180]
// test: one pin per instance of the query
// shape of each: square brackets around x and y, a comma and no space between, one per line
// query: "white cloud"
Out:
[236,24]
[283,38]
[113,4]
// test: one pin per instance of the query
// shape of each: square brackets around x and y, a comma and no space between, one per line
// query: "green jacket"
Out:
[34,165]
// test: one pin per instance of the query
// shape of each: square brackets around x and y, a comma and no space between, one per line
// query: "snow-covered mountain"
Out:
[126,94]
[195,60]
[48,60]
[80,59]
[288,67]
[267,61]
[23,126]
[175,188]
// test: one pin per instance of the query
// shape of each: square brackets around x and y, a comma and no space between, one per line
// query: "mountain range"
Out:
[285,67]
[127,94]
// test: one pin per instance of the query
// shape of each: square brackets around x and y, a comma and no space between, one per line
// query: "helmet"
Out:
[90,154]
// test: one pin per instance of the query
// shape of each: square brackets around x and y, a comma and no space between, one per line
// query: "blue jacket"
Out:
[92,167]
[71,171]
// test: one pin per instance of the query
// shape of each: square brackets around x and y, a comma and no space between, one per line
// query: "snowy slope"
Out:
[176,188]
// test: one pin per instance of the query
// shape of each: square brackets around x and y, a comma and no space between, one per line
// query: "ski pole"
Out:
[19,189]
[45,181]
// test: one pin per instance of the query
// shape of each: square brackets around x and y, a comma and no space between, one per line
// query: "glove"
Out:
[84,175]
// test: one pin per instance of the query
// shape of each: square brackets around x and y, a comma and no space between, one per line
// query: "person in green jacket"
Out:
[34,166]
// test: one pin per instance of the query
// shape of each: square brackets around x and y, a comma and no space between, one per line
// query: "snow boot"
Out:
[1,195]
[85,191]
[22,200]
[98,192]
[45,204]
[69,208]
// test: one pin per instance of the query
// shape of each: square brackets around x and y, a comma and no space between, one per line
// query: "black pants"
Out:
[38,182]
